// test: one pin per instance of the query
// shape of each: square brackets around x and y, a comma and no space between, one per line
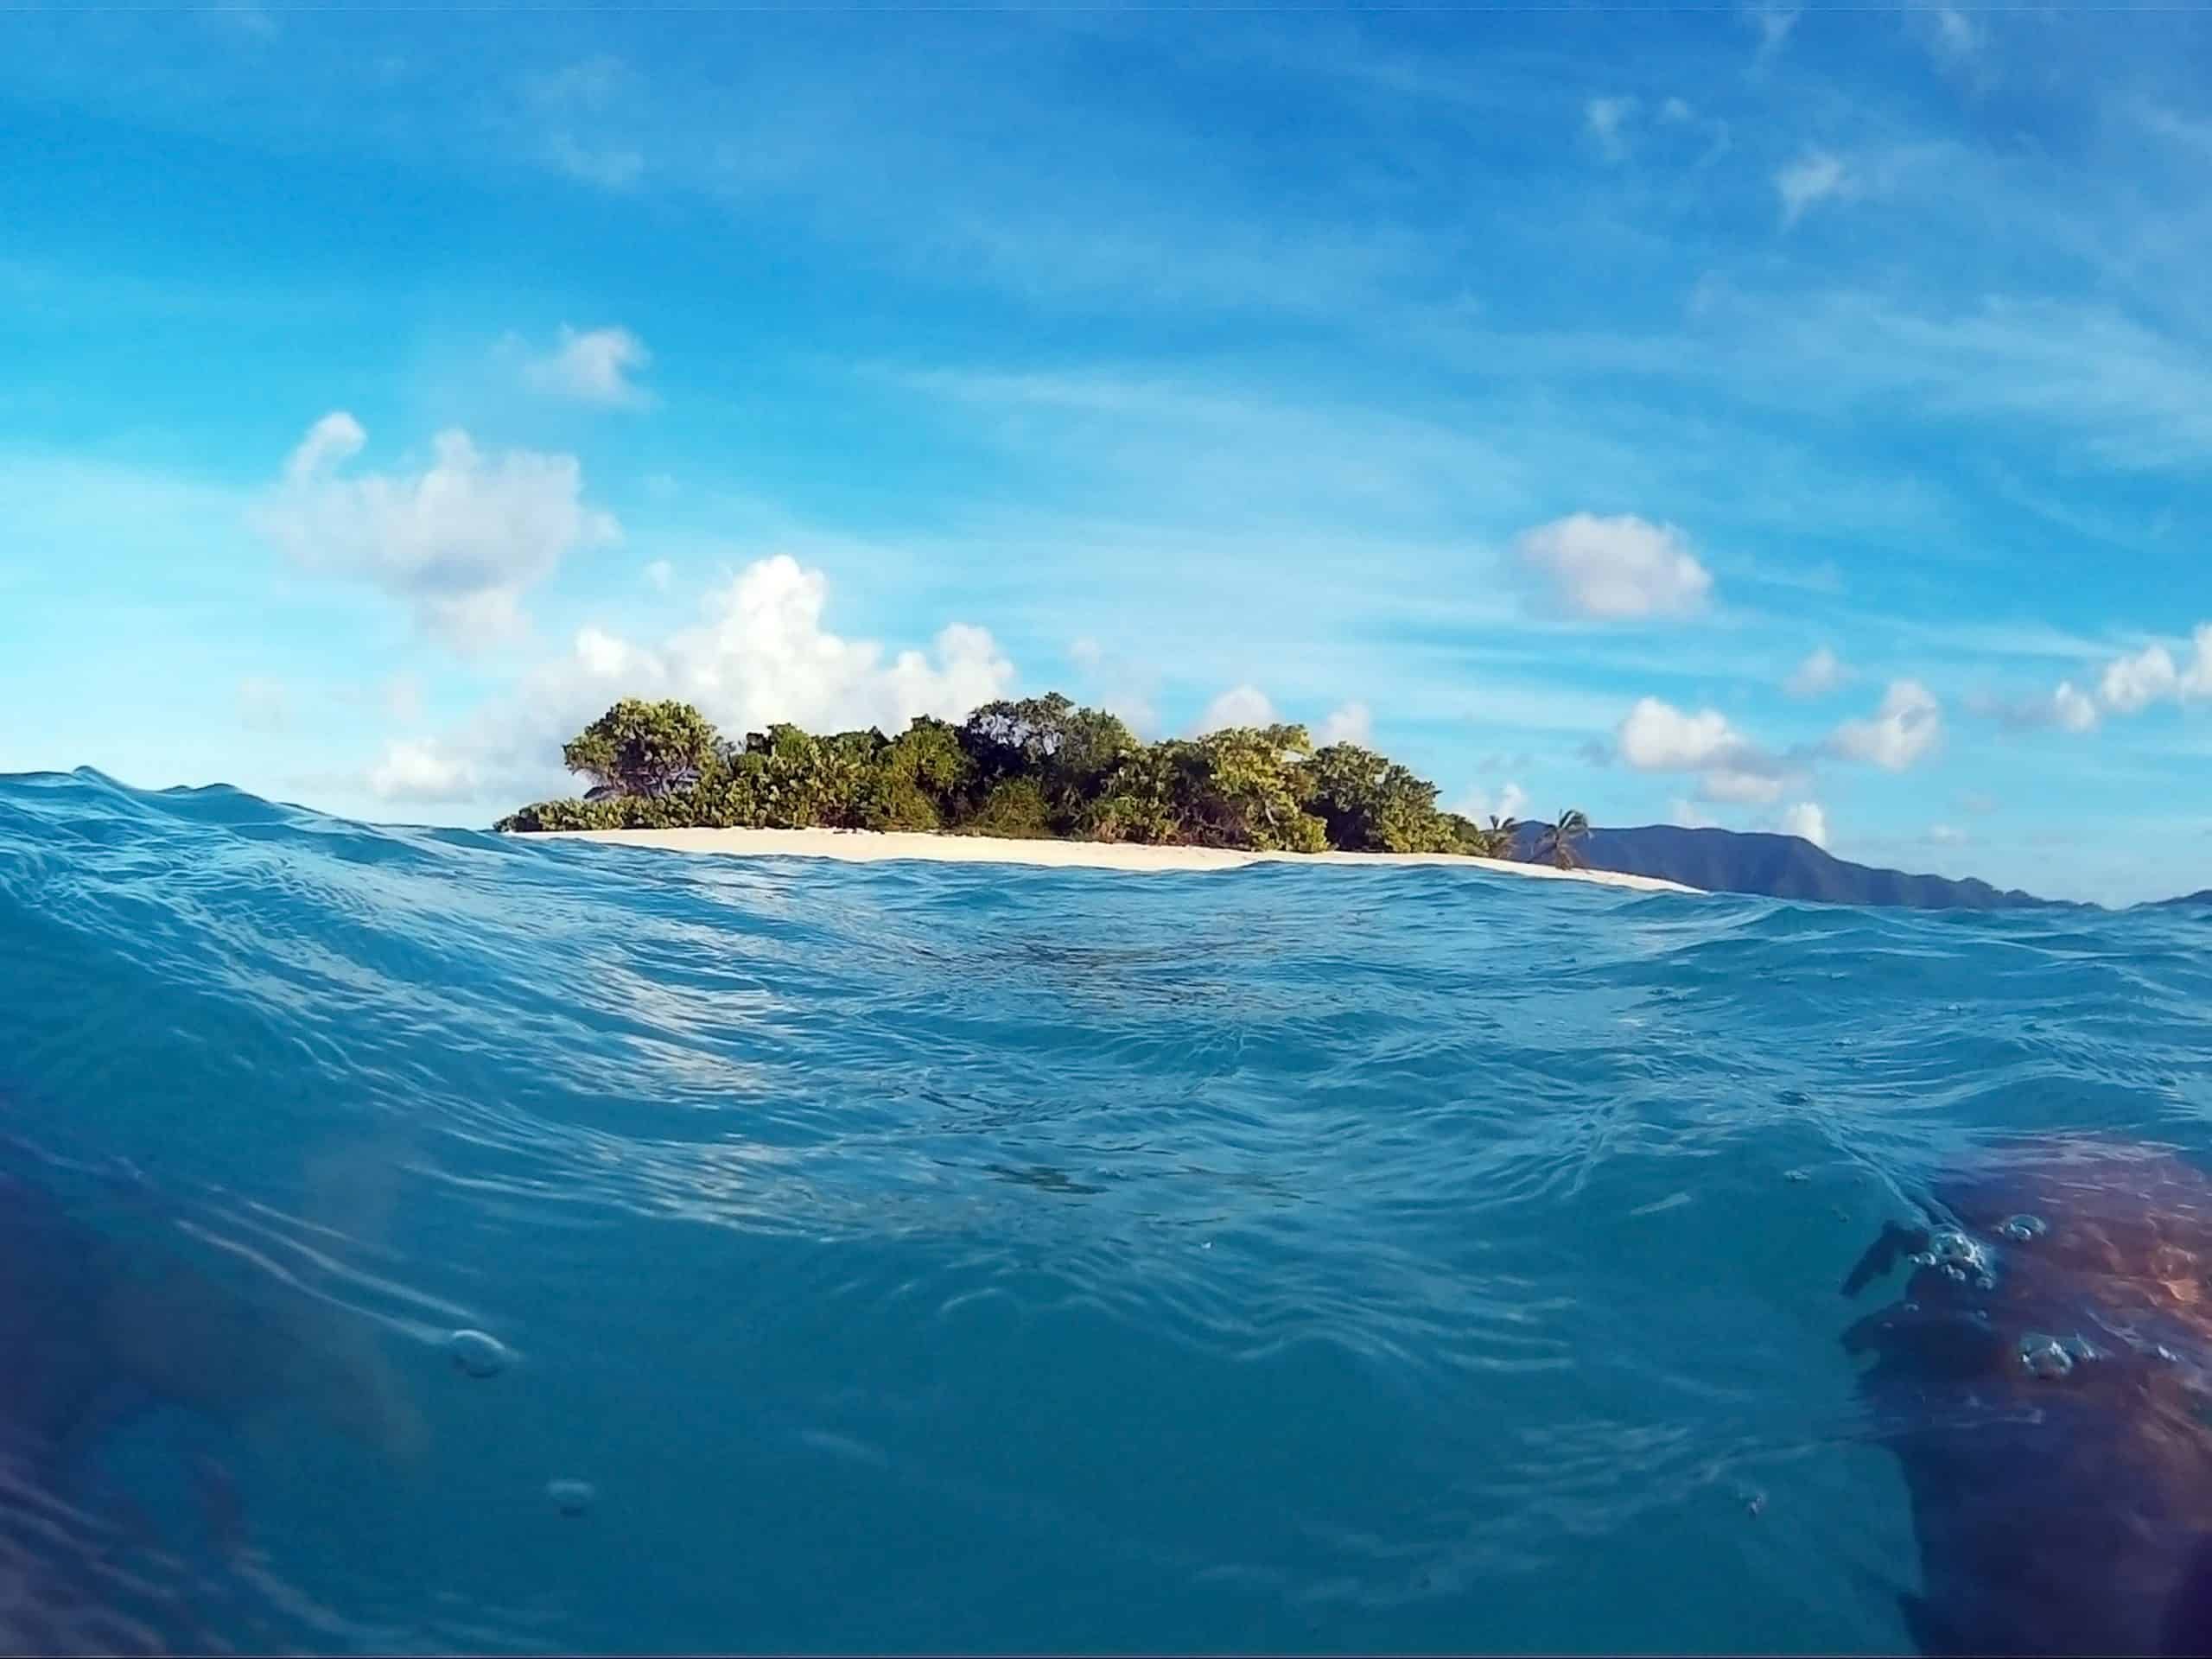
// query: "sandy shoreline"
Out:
[868,846]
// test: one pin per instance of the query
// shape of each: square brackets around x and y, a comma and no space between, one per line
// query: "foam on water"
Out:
[515,1245]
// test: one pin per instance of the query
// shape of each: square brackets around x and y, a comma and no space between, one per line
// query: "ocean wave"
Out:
[947,1256]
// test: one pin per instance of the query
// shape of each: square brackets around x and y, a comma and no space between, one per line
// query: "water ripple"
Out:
[962,1257]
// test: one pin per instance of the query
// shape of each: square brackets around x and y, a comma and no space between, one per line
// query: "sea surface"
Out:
[913,1257]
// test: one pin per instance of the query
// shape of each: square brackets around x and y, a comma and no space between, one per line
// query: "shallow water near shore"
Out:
[908,1256]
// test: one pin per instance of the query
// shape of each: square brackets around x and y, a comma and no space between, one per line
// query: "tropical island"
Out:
[1032,769]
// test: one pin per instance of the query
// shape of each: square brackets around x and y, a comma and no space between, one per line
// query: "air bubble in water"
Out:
[478,1354]
[571,1496]
[1955,1248]
[2024,1227]
[2044,1357]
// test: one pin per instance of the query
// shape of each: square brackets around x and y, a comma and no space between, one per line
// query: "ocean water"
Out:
[954,1257]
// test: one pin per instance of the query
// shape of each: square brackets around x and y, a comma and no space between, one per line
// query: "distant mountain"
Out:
[1778,867]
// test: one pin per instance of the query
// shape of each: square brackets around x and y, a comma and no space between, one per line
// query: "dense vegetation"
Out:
[1039,766]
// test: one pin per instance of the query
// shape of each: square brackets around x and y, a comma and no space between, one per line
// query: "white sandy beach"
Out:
[866,846]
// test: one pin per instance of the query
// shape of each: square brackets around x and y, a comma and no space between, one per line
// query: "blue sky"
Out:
[1760,417]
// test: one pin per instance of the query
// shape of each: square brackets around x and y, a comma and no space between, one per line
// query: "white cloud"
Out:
[761,654]
[459,542]
[1656,737]
[1946,835]
[1242,705]
[603,656]
[593,366]
[263,704]
[2128,685]
[660,573]
[1685,815]
[1906,725]
[1605,117]
[2132,684]
[1815,176]
[1822,672]
[1085,653]
[1352,723]
[574,115]
[1774,24]
[423,773]
[1675,109]
[1736,788]
[1807,820]
[611,167]
[1952,35]
[1509,802]
[1618,567]
[2072,709]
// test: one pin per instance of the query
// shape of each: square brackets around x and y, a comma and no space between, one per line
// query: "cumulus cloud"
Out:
[761,654]
[2132,684]
[459,542]
[1616,567]
[2128,684]
[1817,176]
[2071,709]
[1822,672]
[1352,723]
[1242,705]
[423,773]
[591,366]
[1908,725]
[1509,802]
[1656,736]
[1806,819]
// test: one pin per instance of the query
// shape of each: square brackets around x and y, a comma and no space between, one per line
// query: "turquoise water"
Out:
[934,1256]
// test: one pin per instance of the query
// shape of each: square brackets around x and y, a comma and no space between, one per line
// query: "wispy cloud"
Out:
[1822,672]
[574,117]
[591,366]
[1817,176]
[1606,118]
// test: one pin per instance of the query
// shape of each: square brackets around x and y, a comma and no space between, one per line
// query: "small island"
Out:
[1034,781]
[1039,768]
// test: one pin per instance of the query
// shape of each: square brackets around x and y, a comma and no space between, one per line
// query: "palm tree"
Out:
[1498,840]
[1557,843]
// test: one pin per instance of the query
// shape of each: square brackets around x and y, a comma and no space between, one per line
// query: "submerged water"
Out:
[938,1256]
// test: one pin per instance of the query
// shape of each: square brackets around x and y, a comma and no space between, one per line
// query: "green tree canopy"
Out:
[1035,766]
[643,748]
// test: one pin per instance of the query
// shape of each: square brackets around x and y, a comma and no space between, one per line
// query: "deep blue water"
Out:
[938,1256]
